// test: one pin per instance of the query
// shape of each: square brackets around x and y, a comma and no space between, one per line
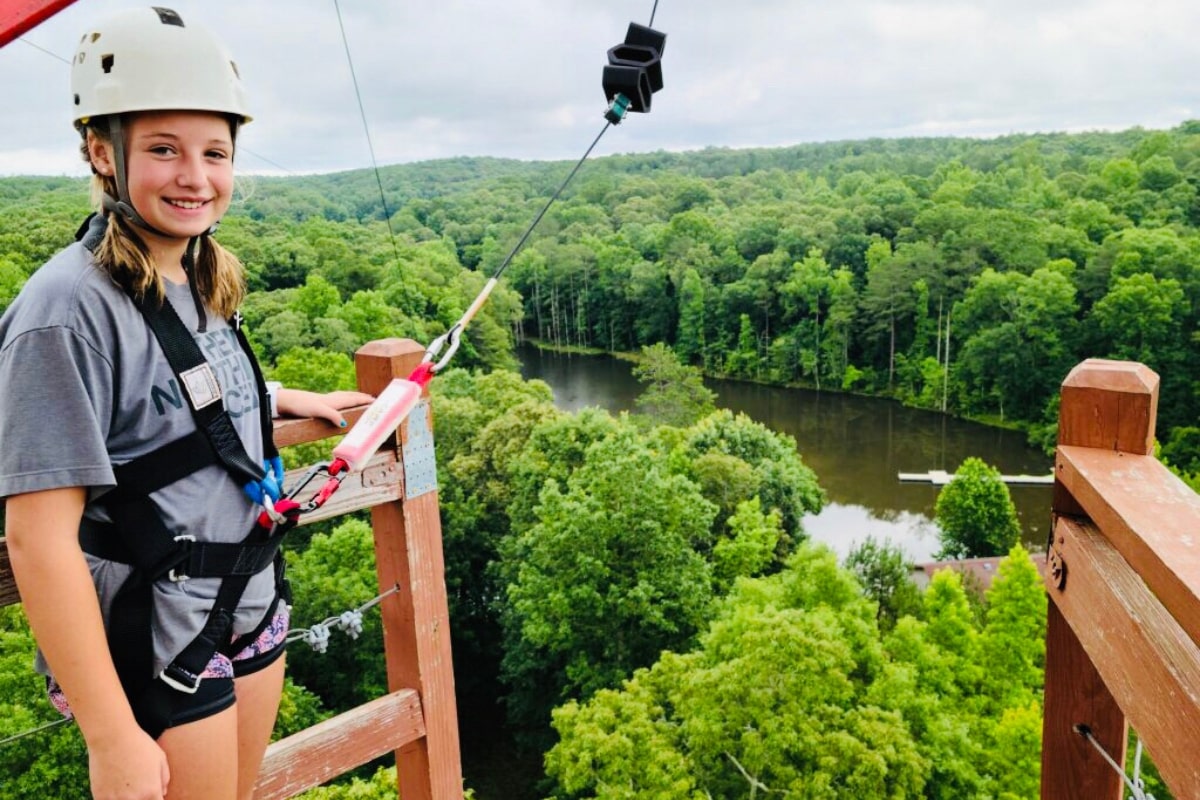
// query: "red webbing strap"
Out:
[18,16]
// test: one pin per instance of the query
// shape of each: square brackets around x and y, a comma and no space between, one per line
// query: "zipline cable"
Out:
[387,216]
[44,50]
[454,335]
[633,75]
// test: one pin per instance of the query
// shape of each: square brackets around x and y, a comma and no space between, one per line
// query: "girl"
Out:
[157,601]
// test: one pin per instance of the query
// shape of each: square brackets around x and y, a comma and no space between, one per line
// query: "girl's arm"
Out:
[60,602]
[300,403]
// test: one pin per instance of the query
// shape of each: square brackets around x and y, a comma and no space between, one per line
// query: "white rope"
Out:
[351,622]
[1137,786]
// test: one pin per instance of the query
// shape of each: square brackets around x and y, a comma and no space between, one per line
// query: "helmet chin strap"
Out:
[123,205]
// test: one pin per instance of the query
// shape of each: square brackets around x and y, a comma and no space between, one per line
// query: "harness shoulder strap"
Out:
[199,382]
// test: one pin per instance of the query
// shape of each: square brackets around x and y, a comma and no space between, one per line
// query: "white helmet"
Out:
[147,59]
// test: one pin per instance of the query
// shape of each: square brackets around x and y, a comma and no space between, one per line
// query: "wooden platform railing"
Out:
[418,718]
[1123,635]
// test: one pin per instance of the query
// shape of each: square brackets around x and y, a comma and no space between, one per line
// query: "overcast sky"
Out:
[521,78]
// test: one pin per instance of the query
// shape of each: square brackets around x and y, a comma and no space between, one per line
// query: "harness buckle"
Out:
[180,577]
[180,679]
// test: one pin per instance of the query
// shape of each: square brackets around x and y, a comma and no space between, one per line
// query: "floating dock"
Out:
[939,477]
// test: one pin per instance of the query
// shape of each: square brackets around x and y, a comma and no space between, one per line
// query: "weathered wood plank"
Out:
[1151,517]
[299,431]
[379,481]
[1108,405]
[1147,661]
[330,748]
[416,621]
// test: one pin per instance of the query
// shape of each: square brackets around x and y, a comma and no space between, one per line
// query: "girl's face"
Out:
[179,168]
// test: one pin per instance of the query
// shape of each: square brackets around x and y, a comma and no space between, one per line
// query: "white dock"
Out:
[939,477]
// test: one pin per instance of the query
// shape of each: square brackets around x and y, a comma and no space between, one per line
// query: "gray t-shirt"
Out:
[84,385]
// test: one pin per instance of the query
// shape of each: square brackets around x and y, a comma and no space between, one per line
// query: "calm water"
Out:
[856,445]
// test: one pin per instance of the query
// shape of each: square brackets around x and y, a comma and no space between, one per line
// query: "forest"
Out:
[635,610]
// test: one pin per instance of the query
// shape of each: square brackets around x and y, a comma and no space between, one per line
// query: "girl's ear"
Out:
[100,153]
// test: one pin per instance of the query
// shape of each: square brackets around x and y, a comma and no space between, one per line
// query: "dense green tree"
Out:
[777,698]
[1142,318]
[885,574]
[1013,641]
[674,392]
[781,478]
[690,340]
[975,514]
[12,278]
[607,577]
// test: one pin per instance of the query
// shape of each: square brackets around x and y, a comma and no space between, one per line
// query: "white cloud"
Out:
[522,78]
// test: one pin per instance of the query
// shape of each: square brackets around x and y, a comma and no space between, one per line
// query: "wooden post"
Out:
[416,620]
[1106,405]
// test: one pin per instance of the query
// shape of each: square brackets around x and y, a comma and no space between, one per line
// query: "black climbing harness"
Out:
[138,536]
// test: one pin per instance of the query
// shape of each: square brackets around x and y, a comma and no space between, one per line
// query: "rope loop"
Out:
[317,637]
[351,622]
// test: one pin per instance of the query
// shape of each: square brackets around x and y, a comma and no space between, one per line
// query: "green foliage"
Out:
[975,514]
[1013,641]
[886,577]
[674,393]
[750,548]
[774,700]
[779,475]
[299,709]
[52,762]
[380,786]
[315,370]
[606,578]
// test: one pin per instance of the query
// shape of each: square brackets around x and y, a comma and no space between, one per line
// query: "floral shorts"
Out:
[216,685]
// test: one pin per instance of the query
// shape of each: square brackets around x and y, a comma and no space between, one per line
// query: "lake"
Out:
[856,445]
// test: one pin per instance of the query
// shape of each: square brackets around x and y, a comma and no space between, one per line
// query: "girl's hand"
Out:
[128,765]
[299,403]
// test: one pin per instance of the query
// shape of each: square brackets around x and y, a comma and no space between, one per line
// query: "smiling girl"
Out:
[135,449]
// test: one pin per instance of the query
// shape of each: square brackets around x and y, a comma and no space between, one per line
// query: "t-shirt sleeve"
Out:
[56,397]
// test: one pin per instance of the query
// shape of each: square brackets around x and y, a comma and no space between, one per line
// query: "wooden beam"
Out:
[416,620]
[379,481]
[1107,405]
[330,748]
[1075,695]
[290,431]
[1149,515]
[1146,660]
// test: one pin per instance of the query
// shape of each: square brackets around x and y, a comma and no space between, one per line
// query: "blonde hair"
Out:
[218,274]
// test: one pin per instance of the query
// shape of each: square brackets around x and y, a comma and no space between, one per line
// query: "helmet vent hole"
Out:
[76,99]
[168,16]
[95,36]
[235,69]
[106,63]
